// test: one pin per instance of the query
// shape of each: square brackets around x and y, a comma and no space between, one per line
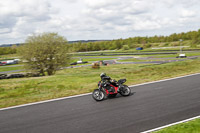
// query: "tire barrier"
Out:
[18,75]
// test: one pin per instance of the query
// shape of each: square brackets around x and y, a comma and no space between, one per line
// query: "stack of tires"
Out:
[18,75]
[3,76]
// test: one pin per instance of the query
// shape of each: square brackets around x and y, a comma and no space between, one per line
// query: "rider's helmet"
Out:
[102,75]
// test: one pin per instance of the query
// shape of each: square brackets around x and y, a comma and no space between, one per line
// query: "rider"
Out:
[107,80]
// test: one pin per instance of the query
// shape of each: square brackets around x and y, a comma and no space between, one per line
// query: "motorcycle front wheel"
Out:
[98,95]
[126,91]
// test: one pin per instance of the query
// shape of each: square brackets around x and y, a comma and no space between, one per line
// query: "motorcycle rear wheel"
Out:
[126,91]
[98,95]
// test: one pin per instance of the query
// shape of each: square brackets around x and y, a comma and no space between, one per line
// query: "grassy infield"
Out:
[10,68]
[82,80]
[188,127]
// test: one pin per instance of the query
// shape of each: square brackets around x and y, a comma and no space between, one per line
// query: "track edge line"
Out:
[172,124]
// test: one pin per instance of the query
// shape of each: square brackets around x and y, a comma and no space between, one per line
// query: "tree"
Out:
[45,53]
[125,47]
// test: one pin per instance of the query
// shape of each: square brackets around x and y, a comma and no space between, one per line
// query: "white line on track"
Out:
[159,128]
[164,80]
[46,101]
[57,99]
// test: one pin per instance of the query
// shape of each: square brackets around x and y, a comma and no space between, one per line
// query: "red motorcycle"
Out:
[106,89]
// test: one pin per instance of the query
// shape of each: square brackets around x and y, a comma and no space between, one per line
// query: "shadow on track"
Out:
[118,96]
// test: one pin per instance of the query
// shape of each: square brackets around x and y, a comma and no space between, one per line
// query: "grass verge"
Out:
[74,81]
[188,127]
[11,68]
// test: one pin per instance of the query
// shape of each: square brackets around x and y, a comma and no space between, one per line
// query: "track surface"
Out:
[150,106]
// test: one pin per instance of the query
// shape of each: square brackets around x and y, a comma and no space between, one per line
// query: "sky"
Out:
[96,19]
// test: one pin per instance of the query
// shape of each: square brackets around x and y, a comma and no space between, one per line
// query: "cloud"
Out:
[95,19]
[141,15]
[129,15]
[187,13]
[4,30]
[18,17]
[115,8]
[101,3]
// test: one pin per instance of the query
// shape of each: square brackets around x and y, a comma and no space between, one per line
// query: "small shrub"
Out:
[148,45]
[96,66]
[166,44]
[193,45]
[125,47]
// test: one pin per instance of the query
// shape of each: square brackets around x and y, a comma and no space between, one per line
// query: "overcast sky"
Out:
[96,19]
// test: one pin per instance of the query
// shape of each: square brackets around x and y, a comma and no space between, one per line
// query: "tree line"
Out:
[134,42]
[125,44]
[8,50]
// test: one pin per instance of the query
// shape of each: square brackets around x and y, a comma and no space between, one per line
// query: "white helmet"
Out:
[102,74]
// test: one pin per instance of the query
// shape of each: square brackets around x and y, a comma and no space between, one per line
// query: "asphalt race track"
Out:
[150,106]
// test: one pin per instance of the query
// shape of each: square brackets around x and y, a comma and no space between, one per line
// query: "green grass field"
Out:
[188,127]
[74,81]
[10,68]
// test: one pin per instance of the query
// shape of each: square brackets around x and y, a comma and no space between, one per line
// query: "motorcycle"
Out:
[106,89]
